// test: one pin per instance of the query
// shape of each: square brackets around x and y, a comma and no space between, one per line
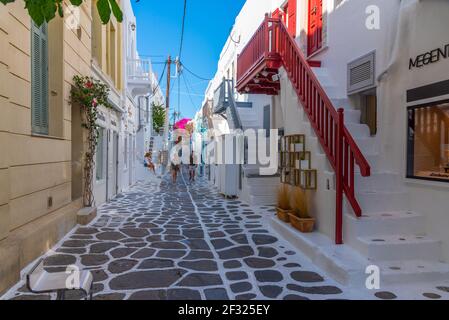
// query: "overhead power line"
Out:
[193,73]
[188,90]
[159,82]
[182,29]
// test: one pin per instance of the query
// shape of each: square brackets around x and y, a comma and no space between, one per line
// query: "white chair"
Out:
[41,281]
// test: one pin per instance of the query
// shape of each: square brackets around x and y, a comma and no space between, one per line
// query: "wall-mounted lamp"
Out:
[133,26]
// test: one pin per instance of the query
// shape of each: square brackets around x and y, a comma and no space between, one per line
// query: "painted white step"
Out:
[262,200]
[342,263]
[378,181]
[358,129]
[412,271]
[263,189]
[366,144]
[347,266]
[371,202]
[269,180]
[400,247]
[352,116]
[384,223]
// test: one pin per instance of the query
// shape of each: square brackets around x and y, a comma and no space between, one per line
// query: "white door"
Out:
[113,166]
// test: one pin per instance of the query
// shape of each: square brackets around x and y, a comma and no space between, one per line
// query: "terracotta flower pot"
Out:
[305,225]
[283,215]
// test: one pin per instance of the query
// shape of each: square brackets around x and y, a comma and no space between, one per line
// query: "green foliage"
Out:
[89,93]
[158,115]
[45,10]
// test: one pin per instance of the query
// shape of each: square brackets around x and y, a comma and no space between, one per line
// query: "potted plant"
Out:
[283,203]
[300,218]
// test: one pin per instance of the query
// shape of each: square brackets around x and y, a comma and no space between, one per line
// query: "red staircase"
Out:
[272,47]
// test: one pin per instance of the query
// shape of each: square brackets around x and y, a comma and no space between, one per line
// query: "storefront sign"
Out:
[430,57]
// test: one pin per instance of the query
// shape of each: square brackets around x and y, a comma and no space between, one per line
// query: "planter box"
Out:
[283,215]
[305,225]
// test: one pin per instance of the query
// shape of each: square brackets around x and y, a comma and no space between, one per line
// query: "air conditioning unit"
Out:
[362,73]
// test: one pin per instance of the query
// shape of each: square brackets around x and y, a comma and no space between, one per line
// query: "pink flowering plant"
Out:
[88,93]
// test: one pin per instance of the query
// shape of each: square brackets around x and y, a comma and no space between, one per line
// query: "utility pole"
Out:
[167,104]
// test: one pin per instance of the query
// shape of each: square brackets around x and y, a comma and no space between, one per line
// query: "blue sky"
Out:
[207,27]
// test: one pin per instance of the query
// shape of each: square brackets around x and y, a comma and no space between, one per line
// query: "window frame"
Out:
[103,158]
[409,154]
[42,128]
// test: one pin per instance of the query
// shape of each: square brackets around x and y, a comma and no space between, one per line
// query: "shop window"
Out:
[428,142]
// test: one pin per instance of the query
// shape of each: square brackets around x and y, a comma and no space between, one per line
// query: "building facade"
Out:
[42,141]
[386,66]
[39,132]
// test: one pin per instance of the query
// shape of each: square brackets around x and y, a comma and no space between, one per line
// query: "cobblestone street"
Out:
[185,241]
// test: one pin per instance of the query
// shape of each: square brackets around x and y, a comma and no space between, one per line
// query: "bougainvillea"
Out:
[88,93]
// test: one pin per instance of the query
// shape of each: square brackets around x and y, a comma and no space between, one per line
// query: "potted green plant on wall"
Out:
[300,218]
[88,94]
[283,203]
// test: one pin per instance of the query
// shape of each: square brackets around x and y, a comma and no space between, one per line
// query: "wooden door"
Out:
[315,28]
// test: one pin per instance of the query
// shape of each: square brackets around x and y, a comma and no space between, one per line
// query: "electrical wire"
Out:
[192,73]
[182,29]
[188,90]
[159,82]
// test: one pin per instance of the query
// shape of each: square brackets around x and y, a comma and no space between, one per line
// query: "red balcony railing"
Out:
[272,41]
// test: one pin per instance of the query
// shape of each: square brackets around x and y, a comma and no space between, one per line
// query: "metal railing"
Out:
[139,69]
[272,41]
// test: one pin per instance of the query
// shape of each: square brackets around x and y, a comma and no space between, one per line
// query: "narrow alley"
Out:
[186,242]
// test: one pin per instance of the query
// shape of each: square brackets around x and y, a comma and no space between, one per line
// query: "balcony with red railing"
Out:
[272,47]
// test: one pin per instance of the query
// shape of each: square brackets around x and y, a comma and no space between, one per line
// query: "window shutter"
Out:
[39,79]
[292,17]
[361,73]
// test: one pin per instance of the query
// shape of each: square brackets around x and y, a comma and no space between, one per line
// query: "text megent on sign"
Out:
[429,57]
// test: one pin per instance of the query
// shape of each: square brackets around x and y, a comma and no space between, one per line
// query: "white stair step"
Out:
[400,247]
[384,223]
[352,116]
[412,271]
[371,202]
[378,181]
[262,180]
[365,144]
[358,129]
[262,200]
[263,190]
[342,102]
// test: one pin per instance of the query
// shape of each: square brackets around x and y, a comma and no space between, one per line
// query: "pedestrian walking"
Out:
[192,167]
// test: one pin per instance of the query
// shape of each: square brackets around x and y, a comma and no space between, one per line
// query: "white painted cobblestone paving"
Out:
[185,241]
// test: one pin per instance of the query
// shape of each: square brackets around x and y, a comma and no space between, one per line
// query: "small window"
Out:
[39,78]
[428,142]
[100,158]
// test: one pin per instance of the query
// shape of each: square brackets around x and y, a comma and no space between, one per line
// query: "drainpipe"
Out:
[402,28]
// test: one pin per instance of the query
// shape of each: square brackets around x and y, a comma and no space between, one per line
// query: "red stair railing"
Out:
[273,40]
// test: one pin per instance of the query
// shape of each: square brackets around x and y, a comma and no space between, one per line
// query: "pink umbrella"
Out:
[181,124]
